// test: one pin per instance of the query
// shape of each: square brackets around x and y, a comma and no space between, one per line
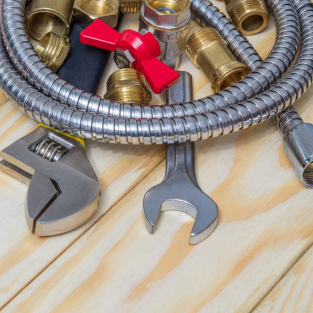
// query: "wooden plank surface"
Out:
[264,227]
[111,264]
[294,293]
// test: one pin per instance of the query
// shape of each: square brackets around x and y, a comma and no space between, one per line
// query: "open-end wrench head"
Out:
[180,187]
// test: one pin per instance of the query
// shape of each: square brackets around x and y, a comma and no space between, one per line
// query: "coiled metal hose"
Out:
[245,104]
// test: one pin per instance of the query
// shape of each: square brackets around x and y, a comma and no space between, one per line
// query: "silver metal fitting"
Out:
[123,59]
[169,22]
[298,143]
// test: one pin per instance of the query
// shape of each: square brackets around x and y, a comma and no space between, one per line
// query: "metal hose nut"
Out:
[249,16]
[127,86]
[298,143]
[53,50]
[168,21]
[45,16]
[208,51]
[87,11]
[130,6]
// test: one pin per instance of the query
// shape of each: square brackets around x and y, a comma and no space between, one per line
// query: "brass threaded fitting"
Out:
[249,16]
[130,6]
[87,11]
[208,51]
[53,50]
[128,86]
[45,16]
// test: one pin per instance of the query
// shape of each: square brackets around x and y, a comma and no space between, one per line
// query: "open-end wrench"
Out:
[180,184]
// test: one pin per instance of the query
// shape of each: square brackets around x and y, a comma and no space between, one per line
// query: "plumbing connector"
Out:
[86,12]
[208,51]
[298,143]
[130,6]
[168,21]
[249,16]
[53,50]
[45,16]
[128,86]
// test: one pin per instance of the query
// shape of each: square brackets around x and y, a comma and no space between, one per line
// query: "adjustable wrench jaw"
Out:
[62,195]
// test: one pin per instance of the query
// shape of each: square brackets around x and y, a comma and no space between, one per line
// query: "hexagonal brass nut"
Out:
[166,14]
[87,11]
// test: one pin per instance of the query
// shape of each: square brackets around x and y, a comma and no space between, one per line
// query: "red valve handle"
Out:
[143,48]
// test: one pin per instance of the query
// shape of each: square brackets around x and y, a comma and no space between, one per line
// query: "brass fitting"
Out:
[208,51]
[87,11]
[45,16]
[130,6]
[168,21]
[53,50]
[127,86]
[249,16]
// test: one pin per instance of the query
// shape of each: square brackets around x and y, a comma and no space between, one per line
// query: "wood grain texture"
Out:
[111,264]
[265,218]
[23,255]
[294,293]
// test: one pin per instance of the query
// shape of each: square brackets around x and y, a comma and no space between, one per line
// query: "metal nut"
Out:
[87,11]
[123,59]
[166,14]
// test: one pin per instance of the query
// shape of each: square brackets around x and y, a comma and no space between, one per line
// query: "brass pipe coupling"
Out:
[168,21]
[249,16]
[87,11]
[130,6]
[128,86]
[53,50]
[45,16]
[208,51]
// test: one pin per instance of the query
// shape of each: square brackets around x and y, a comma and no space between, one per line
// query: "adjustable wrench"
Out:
[63,190]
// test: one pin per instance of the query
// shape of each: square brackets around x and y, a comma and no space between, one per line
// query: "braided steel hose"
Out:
[37,73]
[116,122]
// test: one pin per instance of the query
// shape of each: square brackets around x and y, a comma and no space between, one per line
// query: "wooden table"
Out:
[258,259]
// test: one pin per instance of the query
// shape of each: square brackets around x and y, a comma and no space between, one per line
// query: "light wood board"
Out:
[112,264]
[293,294]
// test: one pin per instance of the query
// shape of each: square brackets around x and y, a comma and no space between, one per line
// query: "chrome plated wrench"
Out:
[180,183]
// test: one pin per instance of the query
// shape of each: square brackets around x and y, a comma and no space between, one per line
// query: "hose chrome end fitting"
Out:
[249,16]
[128,86]
[130,6]
[53,50]
[45,16]
[298,143]
[208,51]
[168,21]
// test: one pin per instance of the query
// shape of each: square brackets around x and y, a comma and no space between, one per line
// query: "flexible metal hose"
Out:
[37,73]
[124,123]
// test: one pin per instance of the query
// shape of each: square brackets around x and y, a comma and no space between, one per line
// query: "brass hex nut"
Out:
[166,14]
[87,11]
